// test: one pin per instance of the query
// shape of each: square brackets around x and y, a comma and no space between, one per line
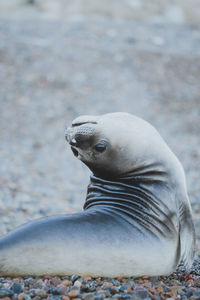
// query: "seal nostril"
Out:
[73,142]
[74,151]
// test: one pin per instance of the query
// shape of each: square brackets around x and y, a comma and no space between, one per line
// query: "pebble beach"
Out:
[57,64]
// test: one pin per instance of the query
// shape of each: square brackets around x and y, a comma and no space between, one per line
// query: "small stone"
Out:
[122,288]
[27,297]
[47,282]
[28,277]
[74,278]
[88,277]
[5,293]
[77,283]
[197,292]
[54,290]
[105,285]
[41,293]
[101,294]
[114,290]
[126,297]
[88,296]
[16,288]
[65,298]
[63,290]
[73,293]
[55,281]
[119,278]
[85,288]
[21,296]
[98,298]
[116,296]
[16,280]
[66,282]
[6,285]
[29,282]
[141,293]
[160,290]
[92,286]
[36,298]
[188,293]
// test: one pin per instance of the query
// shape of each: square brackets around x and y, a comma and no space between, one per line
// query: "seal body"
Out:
[137,216]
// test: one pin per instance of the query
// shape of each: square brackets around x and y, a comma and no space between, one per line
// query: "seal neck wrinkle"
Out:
[133,201]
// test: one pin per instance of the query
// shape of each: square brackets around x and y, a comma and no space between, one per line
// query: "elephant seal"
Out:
[137,216]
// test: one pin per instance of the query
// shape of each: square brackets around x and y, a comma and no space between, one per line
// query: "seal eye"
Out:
[100,147]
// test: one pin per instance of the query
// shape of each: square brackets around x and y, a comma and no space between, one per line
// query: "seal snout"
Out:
[70,137]
[79,133]
[75,152]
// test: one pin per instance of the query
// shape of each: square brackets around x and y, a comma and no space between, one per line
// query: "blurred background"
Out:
[61,59]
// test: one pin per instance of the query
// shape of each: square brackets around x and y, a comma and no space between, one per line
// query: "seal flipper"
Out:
[187,236]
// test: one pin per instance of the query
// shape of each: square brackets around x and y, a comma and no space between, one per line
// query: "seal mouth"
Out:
[75,152]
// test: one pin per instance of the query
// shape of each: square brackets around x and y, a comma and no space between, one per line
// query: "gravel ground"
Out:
[52,71]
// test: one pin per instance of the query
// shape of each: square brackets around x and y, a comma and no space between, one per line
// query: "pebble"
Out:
[77,283]
[27,297]
[88,277]
[126,296]
[73,293]
[65,298]
[41,293]
[141,293]
[88,296]
[63,290]
[66,282]
[5,292]
[74,278]
[116,296]
[54,290]
[85,288]
[21,296]
[16,288]
[55,280]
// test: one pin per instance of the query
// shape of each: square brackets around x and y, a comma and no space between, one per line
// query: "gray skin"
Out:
[137,216]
